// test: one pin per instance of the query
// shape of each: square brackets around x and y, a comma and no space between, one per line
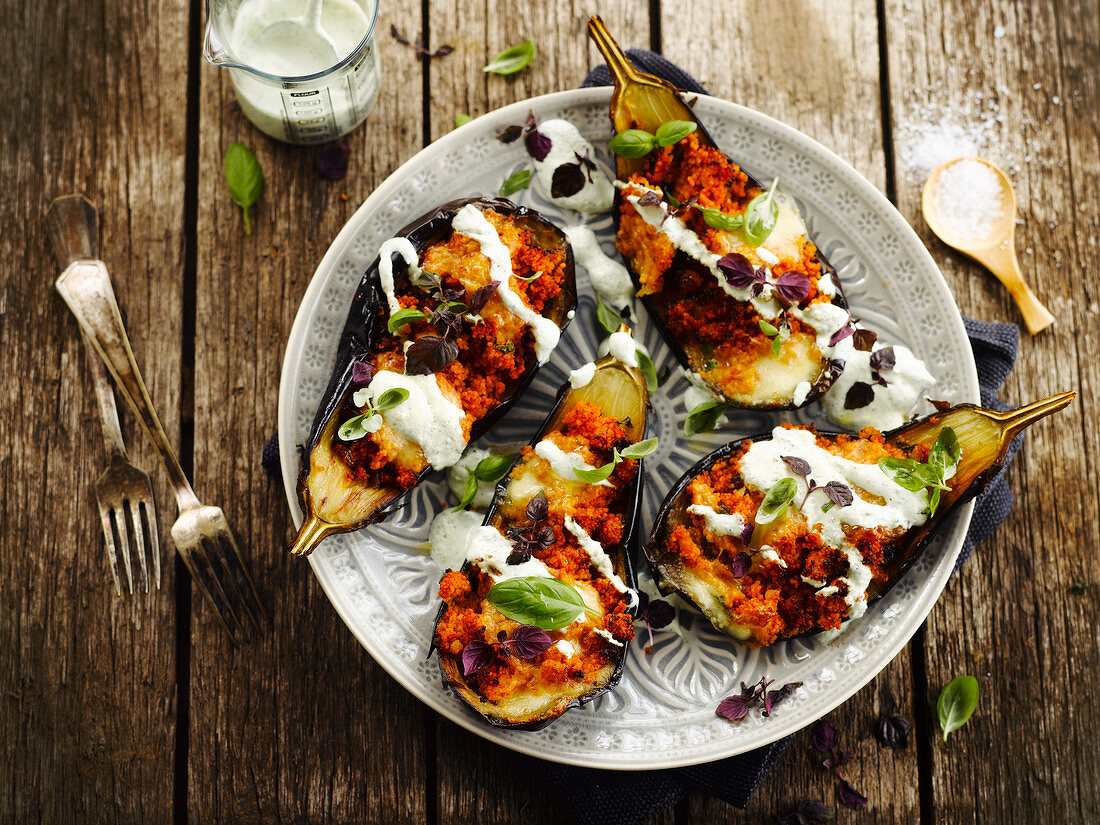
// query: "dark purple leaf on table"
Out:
[774,697]
[825,736]
[860,394]
[475,656]
[568,180]
[332,162]
[396,35]
[893,731]
[659,613]
[851,797]
[428,354]
[510,134]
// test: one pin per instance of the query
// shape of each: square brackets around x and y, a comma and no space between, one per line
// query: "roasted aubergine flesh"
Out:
[793,532]
[507,646]
[722,262]
[446,329]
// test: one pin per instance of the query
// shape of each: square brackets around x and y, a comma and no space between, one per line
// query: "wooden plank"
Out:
[731,49]
[478,782]
[87,685]
[1017,82]
[300,725]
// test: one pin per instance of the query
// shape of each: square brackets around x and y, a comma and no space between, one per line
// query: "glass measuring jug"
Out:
[298,79]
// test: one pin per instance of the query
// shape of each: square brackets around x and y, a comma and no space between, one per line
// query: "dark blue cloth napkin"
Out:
[600,797]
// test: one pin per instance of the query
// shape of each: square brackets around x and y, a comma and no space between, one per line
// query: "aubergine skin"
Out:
[643,101]
[984,435]
[621,554]
[366,326]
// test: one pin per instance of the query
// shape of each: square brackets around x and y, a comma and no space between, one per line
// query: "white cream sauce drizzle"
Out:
[470,222]
[426,417]
[721,524]
[608,277]
[582,376]
[564,463]
[600,560]
[488,550]
[448,535]
[762,466]
[622,347]
[404,247]
[566,143]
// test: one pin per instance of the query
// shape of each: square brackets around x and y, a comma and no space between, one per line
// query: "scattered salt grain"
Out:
[968,197]
[998,31]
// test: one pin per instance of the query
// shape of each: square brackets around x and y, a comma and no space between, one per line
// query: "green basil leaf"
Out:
[402,317]
[670,199]
[776,500]
[461,119]
[244,178]
[513,59]
[633,143]
[608,317]
[468,493]
[768,329]
[946,452]
[703,418]
[528,278]
[596,475]
[934,502]
[673,131]
[492,468]
[761,215]
[545,603]
[360,425]
[390,399]
[956,703]
[515,182]
[649,372]
[717,219]
[641,449]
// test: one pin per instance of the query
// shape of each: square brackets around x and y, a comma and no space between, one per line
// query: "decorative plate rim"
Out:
[778,726]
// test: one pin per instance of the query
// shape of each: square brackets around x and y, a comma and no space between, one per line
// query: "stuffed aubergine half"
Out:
[447,327]
[721,260]
[539,617]
[793,532]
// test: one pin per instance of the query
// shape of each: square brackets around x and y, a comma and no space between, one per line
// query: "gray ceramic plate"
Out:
[662,713]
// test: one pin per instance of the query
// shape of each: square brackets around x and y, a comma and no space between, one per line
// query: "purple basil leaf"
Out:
[568,180]
[893,731]
[521,553]
[883,359]
[740,564]
[864,339]
[841,334]
[825,736]
[738,271]
[428,354]
[851,797]
[799,466]
[586,164]
[733,708]
[475,656]
[746,534]
[442,51]
[860,394]
[361,372]
[481,296]
[538,507]
[527,642]
[792,287]
[815,812]
[545,537]
[659,613]
[396,35]
[650,198]
[332,162]
[538,145]
[510,135]
[774,697]
[839,493]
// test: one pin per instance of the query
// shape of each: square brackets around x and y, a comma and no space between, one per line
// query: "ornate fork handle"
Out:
[86,287]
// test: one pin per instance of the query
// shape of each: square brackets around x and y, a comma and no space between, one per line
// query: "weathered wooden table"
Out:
[105,716]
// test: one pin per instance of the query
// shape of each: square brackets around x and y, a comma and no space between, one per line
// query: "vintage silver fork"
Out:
[201,533]
[123,492]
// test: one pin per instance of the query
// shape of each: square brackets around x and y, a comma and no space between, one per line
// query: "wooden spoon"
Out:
[996,250]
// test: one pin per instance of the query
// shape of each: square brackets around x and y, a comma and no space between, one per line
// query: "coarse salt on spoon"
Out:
[969,203]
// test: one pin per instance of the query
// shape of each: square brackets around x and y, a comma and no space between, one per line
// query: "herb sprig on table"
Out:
[244,178]
[513,59]
[956,703]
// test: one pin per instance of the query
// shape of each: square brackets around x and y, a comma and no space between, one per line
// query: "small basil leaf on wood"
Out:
[244,178]
[513,59]
[703,418]
[761,215]
[545,603]
[956,703]
[461,119]
[402,317]
[515,182]
[673,131]
[776,500]
[632,143]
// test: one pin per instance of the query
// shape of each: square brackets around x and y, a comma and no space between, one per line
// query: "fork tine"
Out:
[230,557]
[134,518]
[149,514]
[207,580]
[118,516]
[109,541]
